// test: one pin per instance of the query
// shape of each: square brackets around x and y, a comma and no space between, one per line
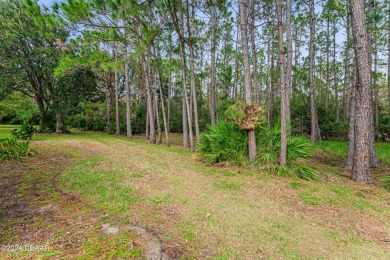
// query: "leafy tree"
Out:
[29,53]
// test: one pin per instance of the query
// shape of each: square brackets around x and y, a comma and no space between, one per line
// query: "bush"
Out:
[25,132]
[223,142]
[298,148]
[15,148]
[268,143]
[386,182]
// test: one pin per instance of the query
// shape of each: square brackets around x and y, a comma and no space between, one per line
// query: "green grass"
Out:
[338,149]
[5,130]
[225,185]
[309,198]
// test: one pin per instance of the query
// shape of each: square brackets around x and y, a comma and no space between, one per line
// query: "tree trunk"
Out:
[147,121]
[272,88]
[185,123]
[351,133]
[289,60]
[212,61]
[374,161]
[235,89]
[59,122]
[283,89]
[157,114]
[108,112]
[376,90]
[268,91]
[166,128]
[186,104]
[190,25]
[116,85]
[327,64]
[336,88]
[169,87]
[346,73]
[254,56]
[314,121]
[361,161]
[252,150]
[388,66]
[128,97]
[152,131]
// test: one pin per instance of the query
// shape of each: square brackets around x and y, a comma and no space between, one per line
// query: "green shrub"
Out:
[223,142]
[298,147]
[24,132]
[12,148]
[386,182]
[268,143]
[17,146]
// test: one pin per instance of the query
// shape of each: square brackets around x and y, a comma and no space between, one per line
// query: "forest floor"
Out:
[89,195]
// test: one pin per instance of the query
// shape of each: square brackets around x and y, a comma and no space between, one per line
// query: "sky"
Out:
[47,3]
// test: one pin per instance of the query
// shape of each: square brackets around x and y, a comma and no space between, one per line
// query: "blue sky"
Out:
[47,3]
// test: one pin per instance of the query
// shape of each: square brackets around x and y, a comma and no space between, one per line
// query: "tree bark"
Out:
[254,56]
[192,75]
[283,89]
[375,81]
[186,104]
[235,89]
[374,161]
[116,85]
[289,60]
[361,160]
[128,97]
[388,66]
[314,121]
[269,88]
[108,98]
[351,133]
[166,128]
[335,83]
[212,61]
[243,5]
[157,114]
[346,89]
[59,122]
[152,131]
[169,86]
[327,65]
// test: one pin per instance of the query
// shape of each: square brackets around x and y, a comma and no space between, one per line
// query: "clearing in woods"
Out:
[93,196]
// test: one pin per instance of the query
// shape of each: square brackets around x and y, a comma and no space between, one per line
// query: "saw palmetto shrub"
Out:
[223,142]
[228,142]
[298,148]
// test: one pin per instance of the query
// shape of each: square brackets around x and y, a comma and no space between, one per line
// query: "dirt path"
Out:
[129,199]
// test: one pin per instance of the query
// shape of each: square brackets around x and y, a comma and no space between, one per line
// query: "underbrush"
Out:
[17,146]
[386,182]
[226,142]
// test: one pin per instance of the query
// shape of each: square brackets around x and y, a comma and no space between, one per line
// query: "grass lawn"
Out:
[5,130]
[89,195]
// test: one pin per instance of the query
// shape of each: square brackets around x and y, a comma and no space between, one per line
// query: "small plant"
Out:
[223,142]
[298,148]
[17,146]
[386,182]
[24,132]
